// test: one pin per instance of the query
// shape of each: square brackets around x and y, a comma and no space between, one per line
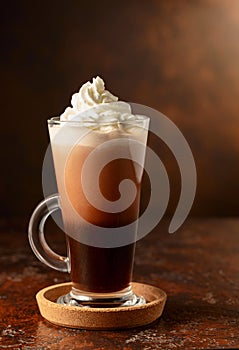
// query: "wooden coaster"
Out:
[101,318]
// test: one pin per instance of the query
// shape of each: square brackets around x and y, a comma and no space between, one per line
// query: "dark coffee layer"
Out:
[100,270]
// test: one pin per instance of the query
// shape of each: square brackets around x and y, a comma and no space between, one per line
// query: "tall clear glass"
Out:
[95,166]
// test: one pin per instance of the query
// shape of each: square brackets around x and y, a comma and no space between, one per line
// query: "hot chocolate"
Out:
[94,119]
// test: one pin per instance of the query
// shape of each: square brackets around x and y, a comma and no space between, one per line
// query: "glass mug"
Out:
[100,264]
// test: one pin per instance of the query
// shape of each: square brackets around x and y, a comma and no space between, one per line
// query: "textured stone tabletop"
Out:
[198,267]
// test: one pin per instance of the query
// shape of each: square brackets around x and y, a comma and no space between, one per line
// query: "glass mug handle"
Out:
[37,237]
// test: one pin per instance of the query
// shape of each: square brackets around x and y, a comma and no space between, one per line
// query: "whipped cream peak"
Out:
[100,110]
[89,95]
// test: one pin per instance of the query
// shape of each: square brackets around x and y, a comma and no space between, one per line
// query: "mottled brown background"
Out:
[178,56]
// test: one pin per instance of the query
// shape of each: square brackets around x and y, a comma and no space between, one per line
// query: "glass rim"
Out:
[58,121]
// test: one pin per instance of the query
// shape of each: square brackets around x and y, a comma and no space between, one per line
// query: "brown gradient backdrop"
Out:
[178,56]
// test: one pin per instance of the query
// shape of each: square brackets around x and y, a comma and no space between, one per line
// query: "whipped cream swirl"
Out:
[89,95]
[98,106]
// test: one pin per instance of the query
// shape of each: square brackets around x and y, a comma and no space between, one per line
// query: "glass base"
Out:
[123,298]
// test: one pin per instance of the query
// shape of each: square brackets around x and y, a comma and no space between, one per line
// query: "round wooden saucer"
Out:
[101,318]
